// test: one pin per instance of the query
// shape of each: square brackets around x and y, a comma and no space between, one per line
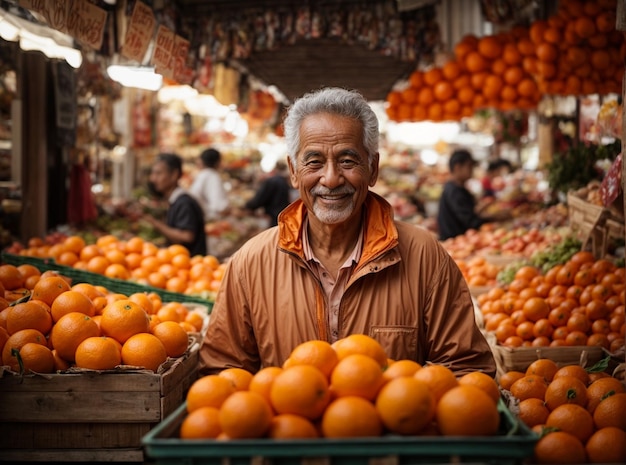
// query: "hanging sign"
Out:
[140,31]
[80,19]
[178,62]
[162,55]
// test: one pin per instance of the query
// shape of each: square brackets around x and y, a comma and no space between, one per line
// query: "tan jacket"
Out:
[406,292]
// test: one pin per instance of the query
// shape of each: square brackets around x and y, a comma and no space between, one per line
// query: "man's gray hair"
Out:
[336,101]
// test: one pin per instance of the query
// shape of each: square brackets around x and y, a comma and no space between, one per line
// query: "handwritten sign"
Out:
[178,62]
[163,45]
[86,23]
[140,31]
[78,18]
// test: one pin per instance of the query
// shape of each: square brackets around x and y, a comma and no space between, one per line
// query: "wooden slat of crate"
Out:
[73,455]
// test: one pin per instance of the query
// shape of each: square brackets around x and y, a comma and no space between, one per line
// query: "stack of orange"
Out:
[477,271]
[580,416]
[577,50]
[58,325]
[347,389]
[578,303]
[170,268]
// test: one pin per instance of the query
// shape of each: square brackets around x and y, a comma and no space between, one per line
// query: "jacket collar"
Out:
[380,232]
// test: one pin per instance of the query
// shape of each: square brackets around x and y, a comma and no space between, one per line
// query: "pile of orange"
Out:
[576,51]
[477,271]
[170,268]
[580,416]
[347,389]
[579,303]
[57,325]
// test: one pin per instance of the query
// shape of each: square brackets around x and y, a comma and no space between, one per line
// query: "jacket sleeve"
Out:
[230,339]
[450,325]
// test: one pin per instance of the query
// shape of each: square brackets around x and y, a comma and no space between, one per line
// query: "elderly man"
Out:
[338,263]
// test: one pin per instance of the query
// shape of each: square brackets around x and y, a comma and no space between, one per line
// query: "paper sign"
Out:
[86,23]
[163,45]
[178,62]
[611,185]
[54,11]
[140,31]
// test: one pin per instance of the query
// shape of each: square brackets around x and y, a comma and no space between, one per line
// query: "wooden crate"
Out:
[89,416]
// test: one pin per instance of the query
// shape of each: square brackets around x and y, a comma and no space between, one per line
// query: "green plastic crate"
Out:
[115,285]
[513,444]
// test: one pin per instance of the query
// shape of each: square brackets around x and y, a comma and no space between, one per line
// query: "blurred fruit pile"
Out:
[347,389]
[576,51]
[580,415]
[578,303]
[48,324]
[170,268]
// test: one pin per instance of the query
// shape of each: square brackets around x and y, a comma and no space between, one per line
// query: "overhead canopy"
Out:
[313,63]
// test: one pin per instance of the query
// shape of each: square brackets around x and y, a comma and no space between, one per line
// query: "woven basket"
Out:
[519,358]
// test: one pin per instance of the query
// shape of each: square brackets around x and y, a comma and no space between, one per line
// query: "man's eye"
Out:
[348,162]
[313,163]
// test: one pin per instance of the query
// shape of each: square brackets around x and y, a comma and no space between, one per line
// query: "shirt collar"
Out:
[308,251]
[175,194]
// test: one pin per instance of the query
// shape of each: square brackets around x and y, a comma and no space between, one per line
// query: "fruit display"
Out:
[579,414]
[56,326]
[170,268]
[578,303]
[576,51]
[347,389]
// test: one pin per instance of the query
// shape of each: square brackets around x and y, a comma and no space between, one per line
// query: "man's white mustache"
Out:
[324,191]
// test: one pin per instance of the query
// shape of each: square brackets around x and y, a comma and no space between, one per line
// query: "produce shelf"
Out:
[115,285]
[513,444]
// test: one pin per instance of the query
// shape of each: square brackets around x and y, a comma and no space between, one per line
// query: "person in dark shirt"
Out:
[457,206]
[273,194]
[184,222]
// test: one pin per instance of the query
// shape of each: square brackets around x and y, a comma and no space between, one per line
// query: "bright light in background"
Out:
[429,156]
[9,31]
[271,153]
[135,76]
[423,134]
[169,93]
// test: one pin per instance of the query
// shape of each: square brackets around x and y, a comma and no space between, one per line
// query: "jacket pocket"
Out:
[400,342]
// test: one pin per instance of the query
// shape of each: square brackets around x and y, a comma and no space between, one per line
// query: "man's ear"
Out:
[292,173]
[374,169]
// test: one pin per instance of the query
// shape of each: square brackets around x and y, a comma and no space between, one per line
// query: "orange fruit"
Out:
[602,388]
[144,350]
[98,264]
[533,412]
[572,419]
[69,331]
[98,353]
[71,301]
[124,318]
[536,308]
[405,405]
[202,423]
[173,337]
[89,290]
[263,379]
[607,445]
[439,379]
[59,363]
[360,344]
[35,357]
[301,390]
[611,412]
[357,375]
[490,47]
[17,341]
[573,370]
[196,320]
[543,367]
[507,379]
[29,315]
[245,414]
[208,391]
[320,354]
[116,271]
[565,390]
[239,377]
[482,381]
[351,416]
[289,426]
[11,277]
[467,411]
[559,447]
[400,368]
[49,288]
[529,386]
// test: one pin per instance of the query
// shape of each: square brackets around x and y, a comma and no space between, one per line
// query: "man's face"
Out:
[332,173]
[161,178]
[464,170]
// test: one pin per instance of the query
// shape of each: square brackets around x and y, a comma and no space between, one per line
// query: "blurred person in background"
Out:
[208,188]
[273,195]
[458,209]
[184,223]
